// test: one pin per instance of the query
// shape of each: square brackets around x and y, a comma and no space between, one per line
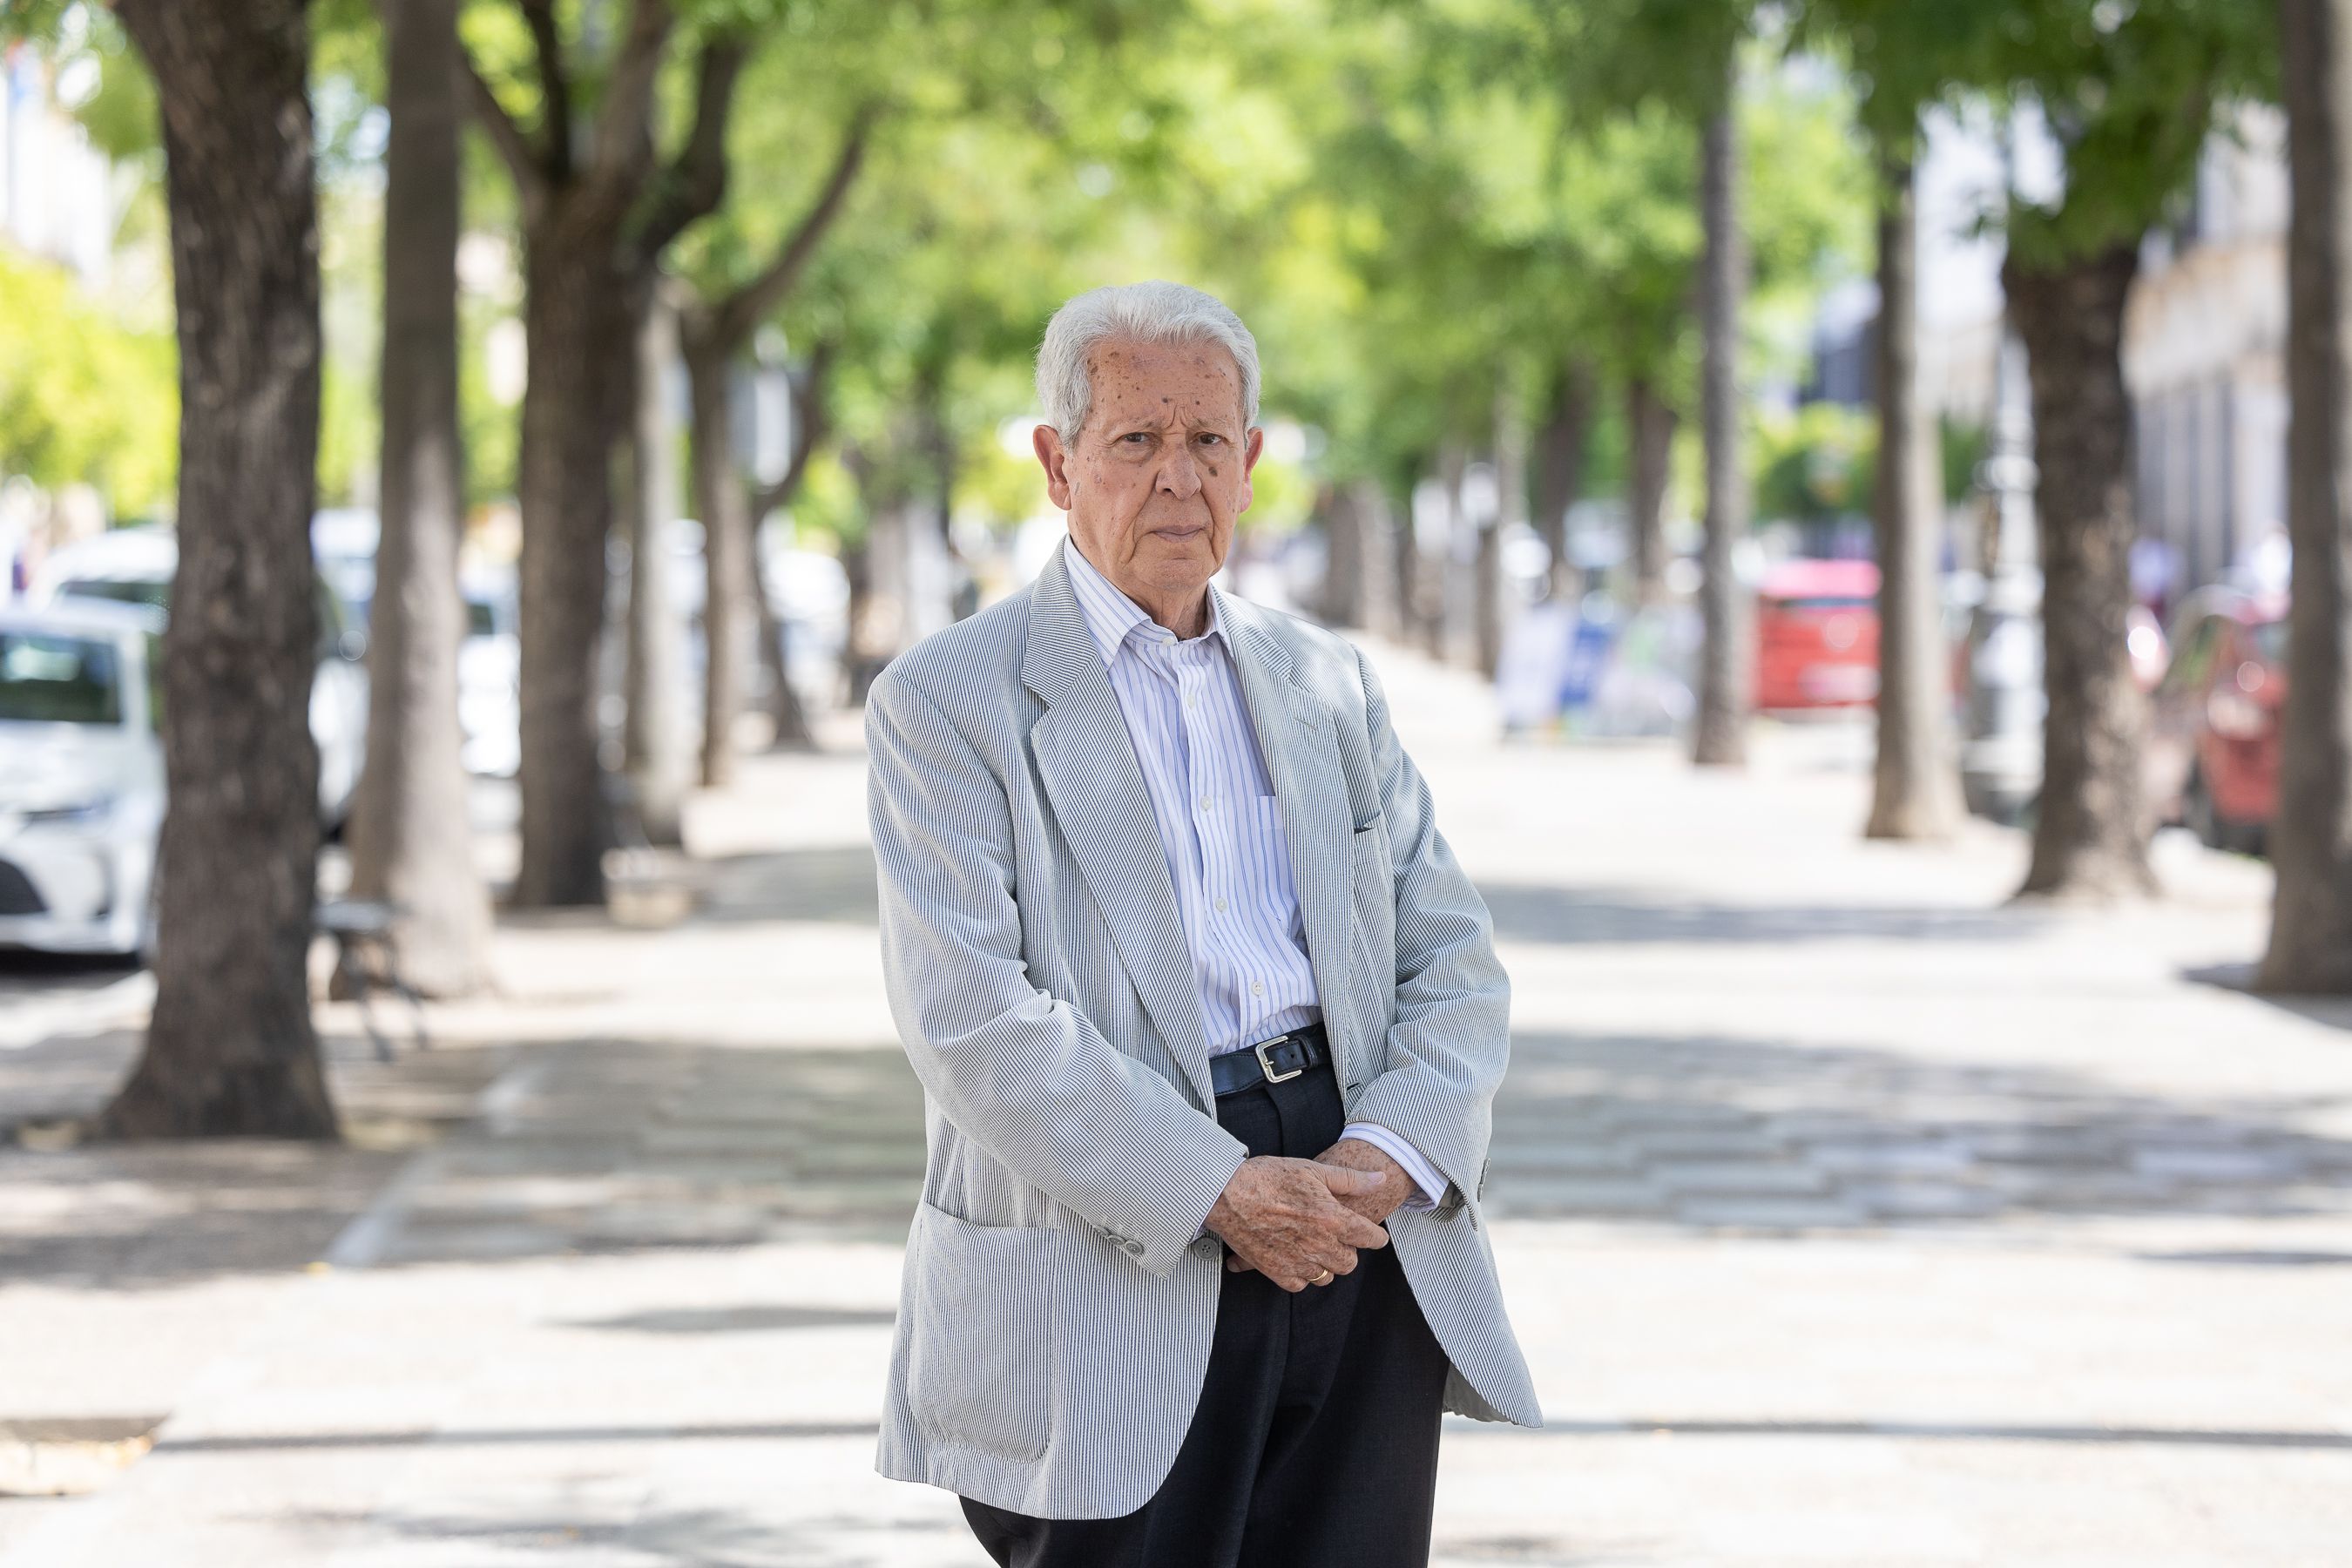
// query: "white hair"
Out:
[1152,312]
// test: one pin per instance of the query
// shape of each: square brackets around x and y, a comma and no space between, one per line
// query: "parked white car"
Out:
[135,565]
[82,775]
[489,674]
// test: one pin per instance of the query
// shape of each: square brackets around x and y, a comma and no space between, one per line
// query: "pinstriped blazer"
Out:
[1056,1308]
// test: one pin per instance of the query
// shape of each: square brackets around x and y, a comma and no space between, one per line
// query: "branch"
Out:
[514,147]
[625,122]
[554,87]
[696,181]
[811,421]
[744,309]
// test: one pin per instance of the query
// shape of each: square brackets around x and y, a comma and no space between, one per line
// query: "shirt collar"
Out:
[1111,616]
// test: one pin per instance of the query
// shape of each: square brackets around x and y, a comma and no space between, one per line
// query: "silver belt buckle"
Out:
[1266,1067]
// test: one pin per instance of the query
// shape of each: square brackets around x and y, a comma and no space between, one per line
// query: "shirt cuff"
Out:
[1429,1185]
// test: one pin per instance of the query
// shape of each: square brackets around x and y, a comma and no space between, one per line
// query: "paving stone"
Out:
[1566,1195]
[1682,1176]
[2217,1164]
[1915,1157]
[2063,1285]
[1770,1213]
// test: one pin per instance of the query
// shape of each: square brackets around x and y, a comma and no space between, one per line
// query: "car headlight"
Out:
[83,813]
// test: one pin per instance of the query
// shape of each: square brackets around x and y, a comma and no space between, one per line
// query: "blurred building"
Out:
[2204,352]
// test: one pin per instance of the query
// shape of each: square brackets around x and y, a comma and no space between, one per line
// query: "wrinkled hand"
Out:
[1374,1203]
[1285,1219]
[1396,1186]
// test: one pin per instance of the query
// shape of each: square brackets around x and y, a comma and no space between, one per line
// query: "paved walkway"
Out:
[1847,1216]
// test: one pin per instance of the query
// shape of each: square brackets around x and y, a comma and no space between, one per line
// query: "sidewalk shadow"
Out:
[2336,1012]
[833,884]
[129,1216]
[708,1537]
[616,1146]
[592,1147]
[1708,1131]
[1541,913]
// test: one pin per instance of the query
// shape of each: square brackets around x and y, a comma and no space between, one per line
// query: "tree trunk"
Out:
[1495,605]
[1376,526]
[1725,693]
[785,709]
[2311,833]
[230,1048]
[1341,601]
[576,324]
[1917,784]
[860,663]
[2089,839]
[1412,574]
[729,587]
[1650,438]
[410,839]
[653,737]
[947,593]
[1559,465]
[1451,565]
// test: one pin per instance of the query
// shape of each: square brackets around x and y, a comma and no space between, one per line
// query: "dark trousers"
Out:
[1315,1443]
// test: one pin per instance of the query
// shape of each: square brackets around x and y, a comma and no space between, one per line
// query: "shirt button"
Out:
[1204,803]
[1257,988]
[1221,906]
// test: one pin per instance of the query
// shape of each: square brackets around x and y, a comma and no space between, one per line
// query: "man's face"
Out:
[1159,472]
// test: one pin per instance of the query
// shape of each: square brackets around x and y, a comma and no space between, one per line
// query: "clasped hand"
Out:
[1292,1220]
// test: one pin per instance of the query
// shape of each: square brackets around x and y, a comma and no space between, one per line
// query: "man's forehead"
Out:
[1165,379]
[1124,371]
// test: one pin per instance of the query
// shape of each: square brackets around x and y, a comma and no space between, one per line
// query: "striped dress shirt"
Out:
[1220,831]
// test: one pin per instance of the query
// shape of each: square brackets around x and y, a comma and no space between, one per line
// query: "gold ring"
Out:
[1327,1278]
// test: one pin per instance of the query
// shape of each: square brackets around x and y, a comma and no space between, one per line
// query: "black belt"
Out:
[1282,1057]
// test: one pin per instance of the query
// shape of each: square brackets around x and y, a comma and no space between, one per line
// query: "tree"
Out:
[1914,783]
[1650,422]
[2130,95]
[2089,839]
[230,1048]
[410,839]
[1725,694]
[1900,52]
[812,421]
[2311,834]
[599,205]
[714,331]
[654,745]
[1560,447]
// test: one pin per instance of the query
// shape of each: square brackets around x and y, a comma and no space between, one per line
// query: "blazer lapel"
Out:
[1295,736]
[1087,764]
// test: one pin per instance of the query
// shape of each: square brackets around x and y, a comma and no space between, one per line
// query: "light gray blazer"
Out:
[1056,1310]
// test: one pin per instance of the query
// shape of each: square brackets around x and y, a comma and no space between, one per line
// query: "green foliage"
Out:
[1424,207]
[83,400]
[2129,90]
[1816,464]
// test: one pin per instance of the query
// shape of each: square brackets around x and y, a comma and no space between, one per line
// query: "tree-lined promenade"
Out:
[1535,237]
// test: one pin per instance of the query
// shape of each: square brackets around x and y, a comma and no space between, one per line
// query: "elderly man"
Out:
[1208,1021]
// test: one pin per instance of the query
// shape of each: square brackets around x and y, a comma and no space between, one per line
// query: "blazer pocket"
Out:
[980,1357]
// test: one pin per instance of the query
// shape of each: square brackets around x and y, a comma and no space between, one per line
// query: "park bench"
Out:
[367,960]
